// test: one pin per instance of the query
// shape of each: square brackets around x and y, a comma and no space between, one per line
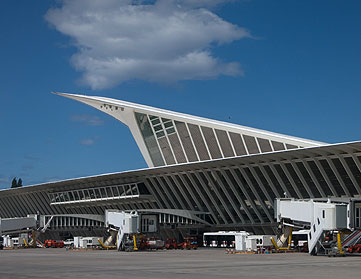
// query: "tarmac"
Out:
[174,264]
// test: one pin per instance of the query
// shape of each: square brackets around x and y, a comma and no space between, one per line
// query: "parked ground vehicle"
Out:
[1,243]
[171,243]
[53,244]
[354,249]
[69,243]
[134,242]
[155,243]
[189,243]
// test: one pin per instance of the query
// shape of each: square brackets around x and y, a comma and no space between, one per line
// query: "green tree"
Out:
[14,183]
[20,182]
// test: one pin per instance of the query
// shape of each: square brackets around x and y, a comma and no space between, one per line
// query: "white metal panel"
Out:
[124,112]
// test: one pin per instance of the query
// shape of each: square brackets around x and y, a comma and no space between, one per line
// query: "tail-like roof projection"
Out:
[166,137]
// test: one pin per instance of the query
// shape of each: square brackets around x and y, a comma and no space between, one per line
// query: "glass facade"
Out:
[99,193]
[149,138]
[172,142]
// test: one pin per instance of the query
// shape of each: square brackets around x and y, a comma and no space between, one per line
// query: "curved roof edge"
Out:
[169,138]
[352,147]
[140,107]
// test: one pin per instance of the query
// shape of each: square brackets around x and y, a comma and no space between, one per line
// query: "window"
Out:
[86,194]
[158,128]
[160,134]
[111,191]
[121,190]
[71,197]
[168,124]
[358,217]
[52,197]
[92,194]
[155,121]
[102,193]
[115,191]
[127,189]
[149,138]
[76,195]
[97,193]
[81,194]
[170,131]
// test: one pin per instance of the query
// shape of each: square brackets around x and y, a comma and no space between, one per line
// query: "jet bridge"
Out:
[19,224]
[323,218]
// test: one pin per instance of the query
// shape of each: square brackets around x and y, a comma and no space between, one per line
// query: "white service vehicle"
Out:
[81,242]
[228,239]
[262,240]
[239,240]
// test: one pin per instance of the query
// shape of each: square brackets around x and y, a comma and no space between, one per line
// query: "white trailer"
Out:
[241,241]
[77,242]
[7,241]
[262,241]
[251,244]
[225,239]
[87,242]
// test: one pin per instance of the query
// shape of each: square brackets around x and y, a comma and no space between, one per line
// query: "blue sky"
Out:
[288,66]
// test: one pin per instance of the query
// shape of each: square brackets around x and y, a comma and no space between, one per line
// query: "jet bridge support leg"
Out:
[279,244]
[339,244]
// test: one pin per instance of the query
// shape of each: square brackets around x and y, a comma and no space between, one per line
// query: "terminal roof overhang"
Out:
[138,175]
[168,138]
[95,100]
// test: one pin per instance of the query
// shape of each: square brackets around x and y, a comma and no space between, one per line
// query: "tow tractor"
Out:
[188,243]
[171,243]
[53,244]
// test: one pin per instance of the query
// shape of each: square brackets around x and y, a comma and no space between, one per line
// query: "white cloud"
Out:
[91,120]
[159,41]
[89,141]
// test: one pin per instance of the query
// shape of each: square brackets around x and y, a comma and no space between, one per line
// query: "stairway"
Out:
[352,238]
[314,235]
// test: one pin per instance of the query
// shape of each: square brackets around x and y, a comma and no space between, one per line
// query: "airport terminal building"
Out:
[203,175]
